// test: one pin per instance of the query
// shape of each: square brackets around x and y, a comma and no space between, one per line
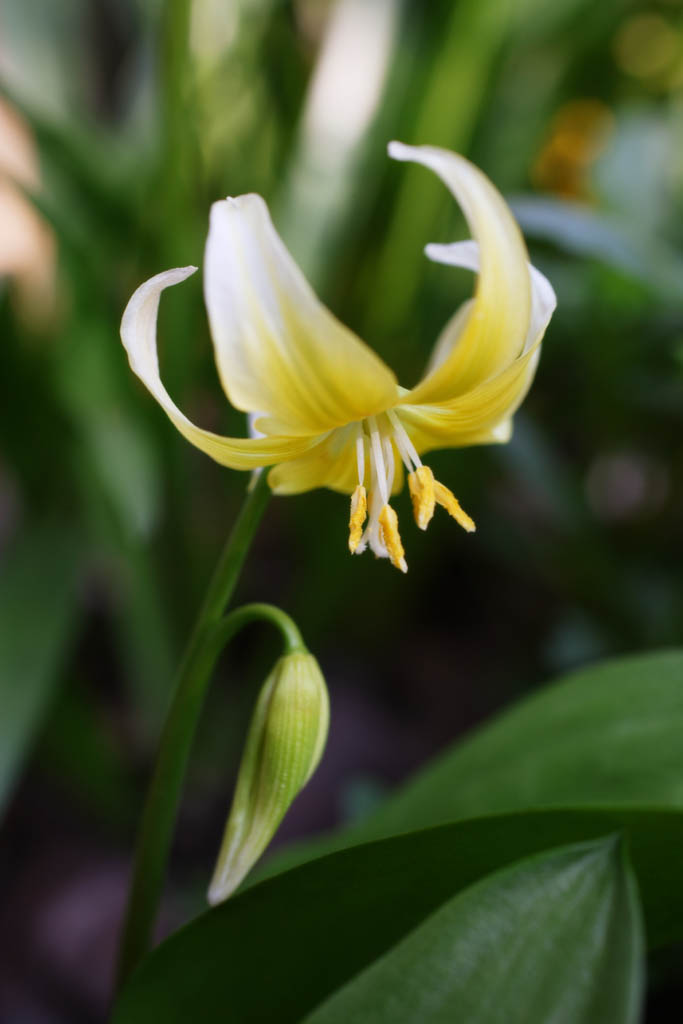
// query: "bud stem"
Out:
[227,627]
[209,635]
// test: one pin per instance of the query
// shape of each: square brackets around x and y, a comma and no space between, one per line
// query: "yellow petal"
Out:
[497,326]
[278,349]
[466,254]
[448,338]
[332,463]
[138,333]
[482,416]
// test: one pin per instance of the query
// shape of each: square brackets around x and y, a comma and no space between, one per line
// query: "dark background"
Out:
[123,121]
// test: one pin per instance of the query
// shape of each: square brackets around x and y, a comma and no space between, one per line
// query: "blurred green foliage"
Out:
[143,112]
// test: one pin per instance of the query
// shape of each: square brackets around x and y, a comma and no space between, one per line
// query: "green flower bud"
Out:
[284,745]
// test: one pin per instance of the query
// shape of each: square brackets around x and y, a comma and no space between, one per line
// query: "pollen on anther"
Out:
[447,500]
[388,527]
[359,509]
[421,485]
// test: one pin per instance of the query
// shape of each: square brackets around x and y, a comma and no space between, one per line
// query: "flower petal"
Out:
[332,463]
[449,337]
[495,331]
[138,333]
[482,416]
[466,254]
[278,349]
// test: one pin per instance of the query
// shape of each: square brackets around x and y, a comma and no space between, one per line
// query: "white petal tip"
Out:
[219,893]
[436,251]
[238,202]
[234,202]
[399,151]
[454,254]
[170,277]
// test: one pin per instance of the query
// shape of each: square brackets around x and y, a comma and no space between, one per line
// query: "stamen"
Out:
[388,530]
[371,536]
[378,459]
[389,459]
[359,508]
[408,453]
[421,485]
[447,500]
[360,453]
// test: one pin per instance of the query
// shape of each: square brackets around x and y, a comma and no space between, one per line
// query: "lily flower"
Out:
[328,410]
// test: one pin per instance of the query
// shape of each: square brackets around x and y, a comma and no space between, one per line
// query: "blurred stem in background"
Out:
[178,152]
[159,814]
[461,69]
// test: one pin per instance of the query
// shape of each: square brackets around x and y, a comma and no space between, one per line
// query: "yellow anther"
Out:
[359,509]
[447,500]
[421,484]
[388,531]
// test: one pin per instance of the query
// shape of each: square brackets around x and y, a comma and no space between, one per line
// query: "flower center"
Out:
[377,438]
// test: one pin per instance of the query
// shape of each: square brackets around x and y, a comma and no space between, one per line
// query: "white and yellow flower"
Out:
[330,413]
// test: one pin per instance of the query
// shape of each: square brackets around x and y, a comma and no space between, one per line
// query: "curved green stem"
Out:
[163,797]
[231,624]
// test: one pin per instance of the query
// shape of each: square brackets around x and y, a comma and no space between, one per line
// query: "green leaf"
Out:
[80,749]
[310,930]
[37,612]
[556,937]
[604,735]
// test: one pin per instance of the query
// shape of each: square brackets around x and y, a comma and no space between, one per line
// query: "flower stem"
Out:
[161,806]
[230,625]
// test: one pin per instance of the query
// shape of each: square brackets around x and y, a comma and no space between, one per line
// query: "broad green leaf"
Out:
[556,937]
[276,950]
[604,735]
[37,611]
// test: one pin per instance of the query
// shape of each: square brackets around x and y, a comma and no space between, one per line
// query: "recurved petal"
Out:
[466,254]
[449,337]
[138,333]
[497,327]
[482,416]
[278,349]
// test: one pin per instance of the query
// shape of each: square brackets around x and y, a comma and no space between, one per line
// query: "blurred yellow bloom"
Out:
[330,413]
[27,249]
